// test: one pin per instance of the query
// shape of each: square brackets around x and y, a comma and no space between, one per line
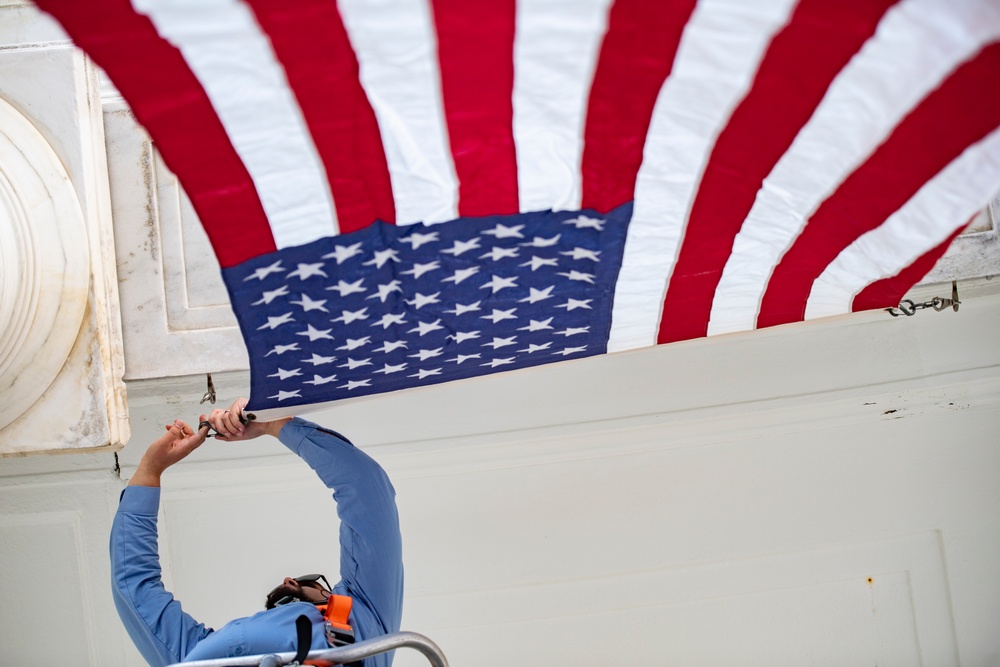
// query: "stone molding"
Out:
[178,318]
[61,386]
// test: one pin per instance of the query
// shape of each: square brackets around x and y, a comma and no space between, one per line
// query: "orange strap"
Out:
[338,610]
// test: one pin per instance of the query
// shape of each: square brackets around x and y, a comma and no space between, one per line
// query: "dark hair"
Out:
[283,594]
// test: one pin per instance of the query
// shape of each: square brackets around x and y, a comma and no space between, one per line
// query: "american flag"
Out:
[404,192]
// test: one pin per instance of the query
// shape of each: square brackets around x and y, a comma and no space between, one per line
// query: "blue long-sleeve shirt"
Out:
[371,566]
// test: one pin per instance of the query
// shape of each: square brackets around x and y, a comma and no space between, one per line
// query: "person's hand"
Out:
[227,424]
[178,441]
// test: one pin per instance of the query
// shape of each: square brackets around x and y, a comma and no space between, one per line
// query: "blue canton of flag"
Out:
[391,307]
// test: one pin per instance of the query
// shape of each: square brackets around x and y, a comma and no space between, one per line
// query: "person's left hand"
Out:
[178,441]
[230,429]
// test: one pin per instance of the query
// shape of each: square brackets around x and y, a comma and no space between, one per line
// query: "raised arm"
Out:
[155,621]
[371,566]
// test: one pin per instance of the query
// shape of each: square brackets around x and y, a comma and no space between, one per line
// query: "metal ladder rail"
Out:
[338,655]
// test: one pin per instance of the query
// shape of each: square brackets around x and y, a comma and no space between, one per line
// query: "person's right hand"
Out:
[177,442]
[227,423]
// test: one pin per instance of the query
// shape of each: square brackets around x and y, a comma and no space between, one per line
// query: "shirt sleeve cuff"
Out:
[140,500]
[294,432]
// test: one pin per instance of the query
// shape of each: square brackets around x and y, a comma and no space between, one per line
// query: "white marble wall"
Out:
[61,361]
[178,319]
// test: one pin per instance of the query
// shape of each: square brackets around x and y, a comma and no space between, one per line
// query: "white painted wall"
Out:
[819,494]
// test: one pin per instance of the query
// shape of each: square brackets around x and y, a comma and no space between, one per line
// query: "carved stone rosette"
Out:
[45,263]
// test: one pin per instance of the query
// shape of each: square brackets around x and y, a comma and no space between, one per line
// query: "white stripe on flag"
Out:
[718,56]
[235,65]
[556,46]
[918,43]
[953,196]
[396,48]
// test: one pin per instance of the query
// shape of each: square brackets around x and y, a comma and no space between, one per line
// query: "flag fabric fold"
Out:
[406,192]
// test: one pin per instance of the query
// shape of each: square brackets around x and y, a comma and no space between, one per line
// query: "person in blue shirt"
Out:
[371,566]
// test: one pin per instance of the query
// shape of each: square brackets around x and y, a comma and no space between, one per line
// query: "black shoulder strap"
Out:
[303,632]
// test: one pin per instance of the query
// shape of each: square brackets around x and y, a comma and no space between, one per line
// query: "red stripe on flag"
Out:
[636,56]
[888,292]
[944,124]
[310,41]
[798,67]
[476,56]
[169,102]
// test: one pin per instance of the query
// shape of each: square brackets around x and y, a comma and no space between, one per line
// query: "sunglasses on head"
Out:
[311,579]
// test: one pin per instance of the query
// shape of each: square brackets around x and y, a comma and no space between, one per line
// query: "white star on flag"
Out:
[416,239]
[570,350]
[285,395]
[349,316]
[497,342]
[584,222]
[499,362]
[498,283]
[498,253]
[535,295]
[420,300]
[538,262]
[535,325]
[422,373]
[275,322]
[582,253]
[319,379]
[420,269]
[355,363]
[573,304]
[462,336]
[342,253]
[532,347]
[308,303]
[461,308]
[268,297]
[385,290]
[281,349]
[465,357]
[317,360]
[463,246]
[305,271]
[462,274]
[315,334]
[355,384]
[500,315]
[389,319]
[390,345]
[265,271]
[344,288]
[424,355]
[572,331]
[424,328]
[355,343]
[502,231]
[282,374]
[383,256]
[578,275]
[539,242]
[388,369]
